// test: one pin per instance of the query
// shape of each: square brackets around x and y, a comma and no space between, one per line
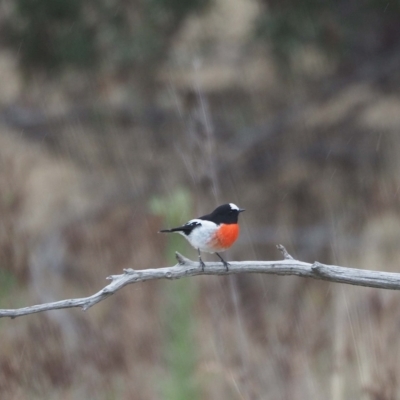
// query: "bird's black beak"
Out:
[241,210]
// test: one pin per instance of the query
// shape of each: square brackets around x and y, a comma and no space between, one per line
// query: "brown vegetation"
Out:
[316,169]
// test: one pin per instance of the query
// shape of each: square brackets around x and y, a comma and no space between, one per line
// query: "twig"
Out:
[186,268]
[284,252]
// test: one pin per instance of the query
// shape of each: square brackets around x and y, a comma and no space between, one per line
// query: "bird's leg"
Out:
[226,265]
[202,265]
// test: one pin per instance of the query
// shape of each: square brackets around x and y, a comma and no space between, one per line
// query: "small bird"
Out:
[213,232]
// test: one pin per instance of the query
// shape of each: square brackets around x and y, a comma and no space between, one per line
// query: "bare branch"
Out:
[186,268]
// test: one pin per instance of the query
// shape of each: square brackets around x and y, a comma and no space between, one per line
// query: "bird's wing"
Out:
[186,229]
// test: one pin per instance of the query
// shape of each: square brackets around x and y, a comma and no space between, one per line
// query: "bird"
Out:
[212,233]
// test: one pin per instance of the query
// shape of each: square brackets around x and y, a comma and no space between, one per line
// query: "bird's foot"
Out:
[226,265]
[202,265]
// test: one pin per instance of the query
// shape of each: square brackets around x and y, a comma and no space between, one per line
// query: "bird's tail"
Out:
[179,229]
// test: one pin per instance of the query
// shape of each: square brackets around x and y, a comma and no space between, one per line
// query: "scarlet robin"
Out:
[212,233]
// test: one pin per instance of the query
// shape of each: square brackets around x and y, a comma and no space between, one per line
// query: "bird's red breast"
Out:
[227,235]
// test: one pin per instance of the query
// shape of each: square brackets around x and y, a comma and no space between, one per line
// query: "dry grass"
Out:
[74,210]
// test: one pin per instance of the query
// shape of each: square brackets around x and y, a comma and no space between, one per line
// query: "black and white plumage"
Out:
[212,233]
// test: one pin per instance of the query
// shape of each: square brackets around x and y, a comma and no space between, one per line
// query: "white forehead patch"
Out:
[234,207]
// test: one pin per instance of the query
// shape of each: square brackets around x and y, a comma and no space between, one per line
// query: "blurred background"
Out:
[119,118]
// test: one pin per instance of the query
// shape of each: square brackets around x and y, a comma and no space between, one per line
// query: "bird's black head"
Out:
[225,214]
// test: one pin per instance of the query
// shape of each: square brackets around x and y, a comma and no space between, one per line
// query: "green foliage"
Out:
[342,28]
[51,35]
[7,283]
[180,7]
[175,208]
[180,296]
[180,348]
